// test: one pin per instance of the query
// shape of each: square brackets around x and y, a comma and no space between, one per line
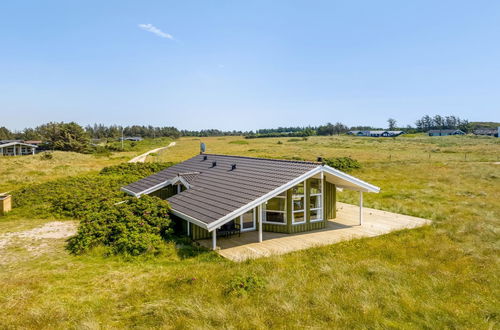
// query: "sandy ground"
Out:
[142,158]
[38,240]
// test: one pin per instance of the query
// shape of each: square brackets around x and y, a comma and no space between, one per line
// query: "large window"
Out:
[276,210]
[298,203]
[315,200]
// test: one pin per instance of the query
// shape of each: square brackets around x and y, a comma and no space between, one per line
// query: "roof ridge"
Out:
[274,159]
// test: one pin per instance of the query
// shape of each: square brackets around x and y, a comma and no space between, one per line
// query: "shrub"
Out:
[77,196]
[242,285]
[294,140]
[342,163]
[46,155]
[238,142]
[135,169]
[279,142]
[137,226]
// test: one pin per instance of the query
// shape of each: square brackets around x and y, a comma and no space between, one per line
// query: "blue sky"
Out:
[247,64]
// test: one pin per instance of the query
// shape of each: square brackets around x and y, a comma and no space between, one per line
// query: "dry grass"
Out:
[440,276]
[21,170]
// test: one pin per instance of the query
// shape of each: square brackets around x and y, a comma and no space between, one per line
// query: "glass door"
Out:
[248,221]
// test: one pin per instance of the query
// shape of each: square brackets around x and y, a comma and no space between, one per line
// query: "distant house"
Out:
[16,148]
[487,131]
[132,138]
[376,133]
[218,195]
[445,132]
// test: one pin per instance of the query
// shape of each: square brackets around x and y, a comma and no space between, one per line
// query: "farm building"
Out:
[445,132]
[16,148]
[218,195]
[376,133]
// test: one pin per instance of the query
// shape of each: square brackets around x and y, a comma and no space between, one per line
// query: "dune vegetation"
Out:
[445,275]
[16,172]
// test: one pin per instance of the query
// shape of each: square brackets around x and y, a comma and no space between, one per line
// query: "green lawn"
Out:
[441,276]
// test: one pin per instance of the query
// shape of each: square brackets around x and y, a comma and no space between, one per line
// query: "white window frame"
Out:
[320,209]
[264,213]
[254,218]
[305,207]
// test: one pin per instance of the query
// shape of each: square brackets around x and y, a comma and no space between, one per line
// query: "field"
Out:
[445,275]
[19,171]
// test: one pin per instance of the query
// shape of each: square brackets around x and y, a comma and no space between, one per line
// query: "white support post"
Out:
[188,228]
[360,208]
[15,150]
[32,151]
[259,208]
[214,239]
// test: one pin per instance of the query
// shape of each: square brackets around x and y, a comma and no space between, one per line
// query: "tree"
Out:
[65,137]
[5,134]
[392,124]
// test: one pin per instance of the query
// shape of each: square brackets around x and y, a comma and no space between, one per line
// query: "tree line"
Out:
[73,137]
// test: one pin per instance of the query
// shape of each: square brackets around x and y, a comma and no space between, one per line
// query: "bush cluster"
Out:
[342,163]
[121,224]
[134,227]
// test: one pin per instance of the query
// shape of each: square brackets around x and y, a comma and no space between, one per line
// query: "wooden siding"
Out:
[198,233]
[329,201]
[165,193]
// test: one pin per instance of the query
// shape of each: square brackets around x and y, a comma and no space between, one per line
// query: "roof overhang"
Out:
[17,143]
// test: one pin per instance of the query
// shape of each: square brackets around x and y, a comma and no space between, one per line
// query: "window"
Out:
[247,221]
[315,200]
[298,203]
[275,210]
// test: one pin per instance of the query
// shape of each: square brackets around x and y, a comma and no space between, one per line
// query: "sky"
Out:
[246,65]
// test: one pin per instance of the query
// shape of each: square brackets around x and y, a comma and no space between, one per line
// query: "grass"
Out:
[441,276]
[16,172]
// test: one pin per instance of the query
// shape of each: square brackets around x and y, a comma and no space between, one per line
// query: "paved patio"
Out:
[344,227]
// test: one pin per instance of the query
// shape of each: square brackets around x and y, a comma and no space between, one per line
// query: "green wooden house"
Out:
[210,193]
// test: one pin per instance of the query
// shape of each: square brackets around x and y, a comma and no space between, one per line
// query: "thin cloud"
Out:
[151,28]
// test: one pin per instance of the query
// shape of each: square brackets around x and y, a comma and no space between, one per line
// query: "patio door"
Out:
[247,221]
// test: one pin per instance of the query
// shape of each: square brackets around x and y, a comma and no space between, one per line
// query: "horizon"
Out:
[248,66]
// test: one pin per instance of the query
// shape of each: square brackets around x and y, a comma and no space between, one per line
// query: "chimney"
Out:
[233,167]
[205,157]
[214,164]
[320,159]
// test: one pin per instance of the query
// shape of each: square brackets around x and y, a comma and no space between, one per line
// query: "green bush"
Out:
[135,227]
[46,155]
[135,169]
[242,285]
[76,196]
[342,163]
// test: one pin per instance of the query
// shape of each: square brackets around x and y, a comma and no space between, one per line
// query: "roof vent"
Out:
[214,164]
[233,167]
[205,157]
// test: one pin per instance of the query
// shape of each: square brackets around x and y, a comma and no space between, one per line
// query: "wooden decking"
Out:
[344,227]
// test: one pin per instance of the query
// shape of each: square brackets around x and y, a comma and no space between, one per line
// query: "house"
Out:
[487,131]
[210,194]
[16,148]
[445,132]
[376,133]
[131,138]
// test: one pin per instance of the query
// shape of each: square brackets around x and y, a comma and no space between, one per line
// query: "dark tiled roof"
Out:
[218,190]
[190,177]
